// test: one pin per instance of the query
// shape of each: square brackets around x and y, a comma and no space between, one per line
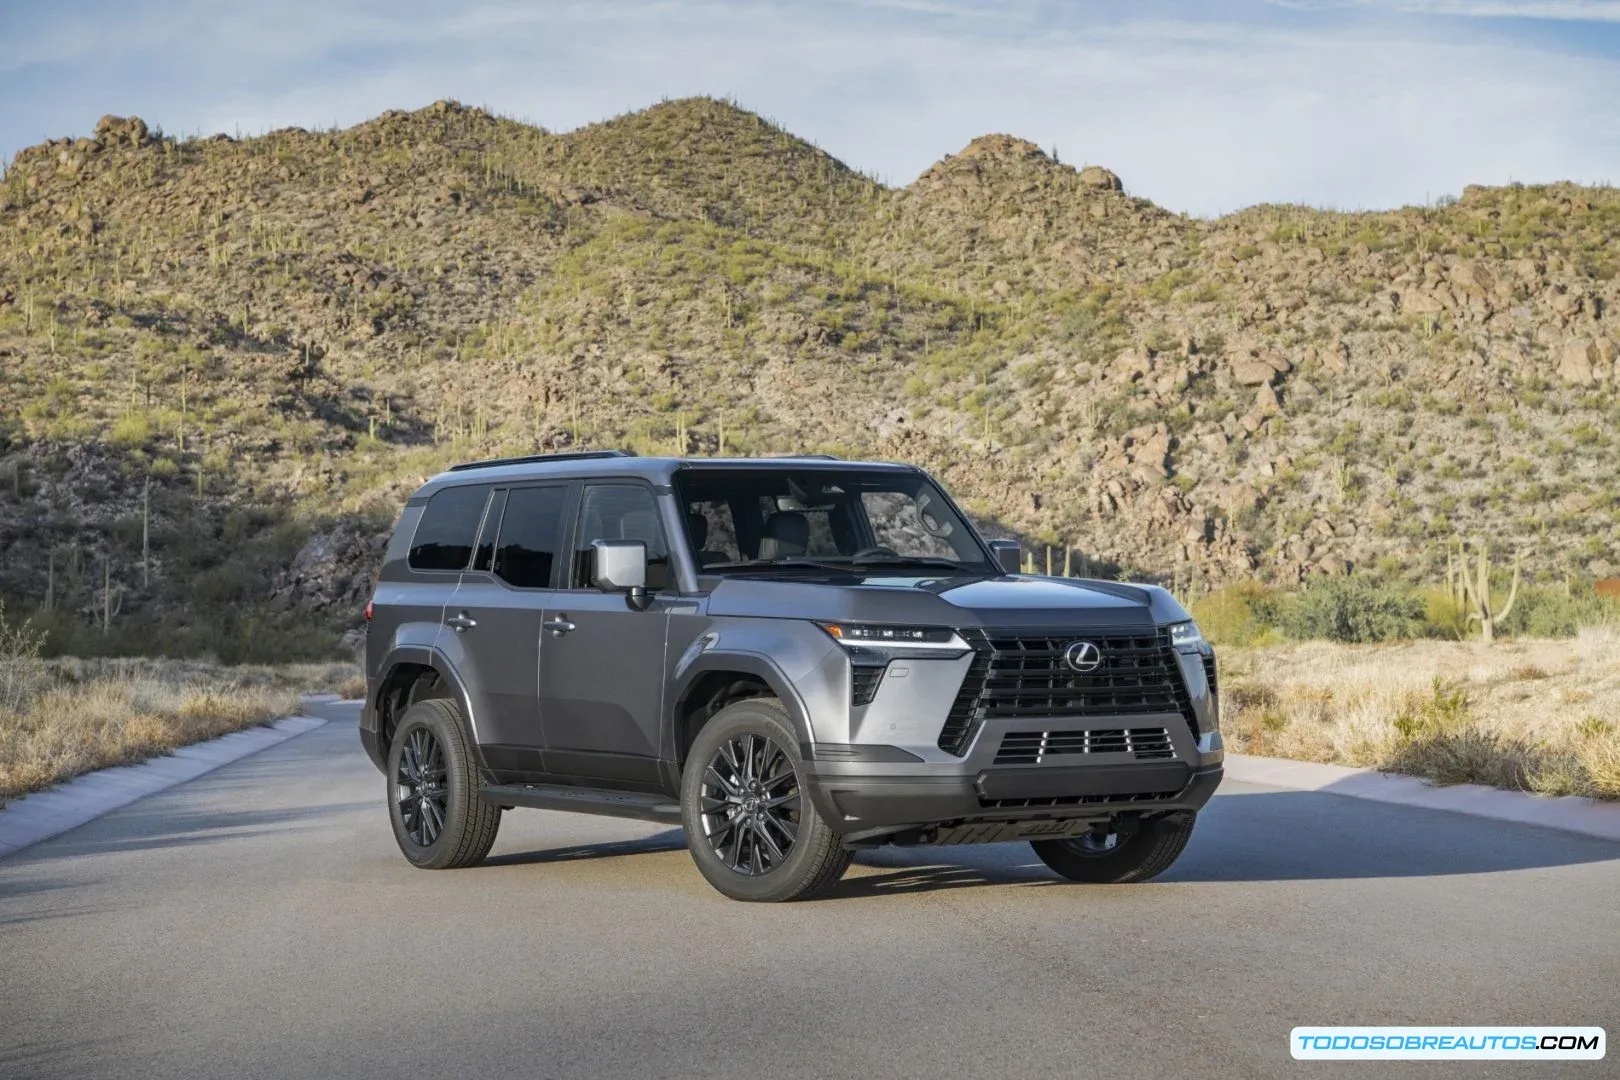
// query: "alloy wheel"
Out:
[419,787]
[749,804]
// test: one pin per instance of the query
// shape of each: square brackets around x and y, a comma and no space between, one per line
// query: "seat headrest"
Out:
[697,528]
[787,535]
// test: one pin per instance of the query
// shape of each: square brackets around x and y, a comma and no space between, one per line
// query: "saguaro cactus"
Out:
[1471,585]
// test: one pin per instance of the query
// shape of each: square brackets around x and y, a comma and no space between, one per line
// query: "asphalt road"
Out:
[259,922]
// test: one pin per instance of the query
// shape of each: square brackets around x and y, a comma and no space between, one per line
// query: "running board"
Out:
[580,800]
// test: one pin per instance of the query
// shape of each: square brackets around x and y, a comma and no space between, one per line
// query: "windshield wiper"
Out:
[912,560]
[786,564]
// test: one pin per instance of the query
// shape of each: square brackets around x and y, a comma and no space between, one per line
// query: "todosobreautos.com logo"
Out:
[1447,1043]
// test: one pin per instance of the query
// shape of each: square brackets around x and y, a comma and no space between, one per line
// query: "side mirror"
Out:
[1008,554]
[619,565]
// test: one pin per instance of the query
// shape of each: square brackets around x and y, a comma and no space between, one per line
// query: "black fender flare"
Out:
[424,656]
[758,665]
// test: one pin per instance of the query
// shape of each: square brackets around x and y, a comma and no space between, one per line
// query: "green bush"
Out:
[1240,614]
[1355,608]
[1550,611]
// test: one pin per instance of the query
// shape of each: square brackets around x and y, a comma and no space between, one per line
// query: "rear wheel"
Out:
[439,819]
[750,825]
[1119,852]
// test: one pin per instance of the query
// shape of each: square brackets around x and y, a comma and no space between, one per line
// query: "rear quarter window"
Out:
[444,537]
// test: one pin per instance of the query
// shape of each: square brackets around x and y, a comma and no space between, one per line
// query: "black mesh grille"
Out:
[863,684]
[1035,747]
[1074,800]
[1020,675]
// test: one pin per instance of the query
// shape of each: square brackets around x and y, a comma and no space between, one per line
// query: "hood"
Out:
[1007,601]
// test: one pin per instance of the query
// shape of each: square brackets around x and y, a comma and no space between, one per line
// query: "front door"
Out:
[492,625]
[602,666]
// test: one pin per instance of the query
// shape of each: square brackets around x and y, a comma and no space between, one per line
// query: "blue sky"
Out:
[1202,107]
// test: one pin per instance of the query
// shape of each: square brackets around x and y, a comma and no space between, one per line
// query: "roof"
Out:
[658,470]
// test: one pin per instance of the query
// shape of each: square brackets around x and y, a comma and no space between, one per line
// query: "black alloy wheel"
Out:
[750,804]
[420,787]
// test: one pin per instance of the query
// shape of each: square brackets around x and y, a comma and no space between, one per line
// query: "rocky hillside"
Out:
[223,363]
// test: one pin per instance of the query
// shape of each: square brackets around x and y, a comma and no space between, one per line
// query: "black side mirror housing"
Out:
[1009,555]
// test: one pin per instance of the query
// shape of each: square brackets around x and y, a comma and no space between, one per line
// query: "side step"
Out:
[580,800]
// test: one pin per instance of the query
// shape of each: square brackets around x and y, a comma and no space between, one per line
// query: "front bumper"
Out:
[870,801]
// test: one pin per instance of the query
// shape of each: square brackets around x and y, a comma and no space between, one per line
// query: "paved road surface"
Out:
[259,922]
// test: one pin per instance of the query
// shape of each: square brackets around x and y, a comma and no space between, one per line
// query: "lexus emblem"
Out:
[1083,656]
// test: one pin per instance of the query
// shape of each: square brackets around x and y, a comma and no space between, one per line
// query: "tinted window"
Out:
[528,538]
[444,536]
[620,512]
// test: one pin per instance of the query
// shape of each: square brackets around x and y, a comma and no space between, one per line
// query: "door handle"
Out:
[461,622]
[559,625]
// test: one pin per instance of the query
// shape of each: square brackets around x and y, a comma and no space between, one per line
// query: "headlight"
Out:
[1186,636]
[855,635]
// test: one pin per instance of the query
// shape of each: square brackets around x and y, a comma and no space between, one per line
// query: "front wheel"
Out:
[1119,852]
[440,820]
[750,825]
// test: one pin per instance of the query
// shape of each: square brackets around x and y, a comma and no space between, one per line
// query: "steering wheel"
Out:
[877,550]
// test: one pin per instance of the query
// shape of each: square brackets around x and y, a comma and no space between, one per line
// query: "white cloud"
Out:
[1560,10]
[1197,114]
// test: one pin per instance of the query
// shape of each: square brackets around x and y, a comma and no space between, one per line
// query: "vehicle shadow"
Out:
[1242,836]
[658,843]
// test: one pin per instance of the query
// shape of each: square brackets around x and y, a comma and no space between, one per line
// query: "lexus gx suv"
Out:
[792,658]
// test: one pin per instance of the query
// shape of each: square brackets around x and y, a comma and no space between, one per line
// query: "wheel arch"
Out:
[715,680]
[412,674]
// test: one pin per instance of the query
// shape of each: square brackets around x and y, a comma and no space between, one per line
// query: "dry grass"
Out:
[1541,716]
[67,717]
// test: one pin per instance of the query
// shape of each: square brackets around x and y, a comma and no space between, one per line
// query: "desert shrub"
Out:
[21,670]
[1551,611]
[1437,738]
[1240,614]
[1444,616]
[1354,608]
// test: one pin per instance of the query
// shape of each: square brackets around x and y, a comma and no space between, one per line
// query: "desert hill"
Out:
[224,362]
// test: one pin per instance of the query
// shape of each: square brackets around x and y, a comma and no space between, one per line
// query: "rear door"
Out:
[492,623]
[602,667]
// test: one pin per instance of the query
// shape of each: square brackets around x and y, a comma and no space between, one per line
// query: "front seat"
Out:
[697,531]
[787,535]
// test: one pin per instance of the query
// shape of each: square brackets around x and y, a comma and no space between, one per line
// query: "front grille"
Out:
[1209,672]
[863,684]
[1034,747]
[1074,800]
[1023,676]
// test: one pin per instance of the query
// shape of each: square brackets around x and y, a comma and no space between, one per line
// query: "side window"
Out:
[444,536]
[527,544]
[620,512]
[712,532]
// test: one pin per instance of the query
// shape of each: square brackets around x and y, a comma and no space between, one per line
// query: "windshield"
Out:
[842,519]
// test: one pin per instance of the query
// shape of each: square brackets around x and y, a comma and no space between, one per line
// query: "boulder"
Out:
[1577,362]
[1249,371]
[1095,176]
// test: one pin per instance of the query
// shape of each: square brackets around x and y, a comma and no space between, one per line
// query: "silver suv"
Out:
[792,658]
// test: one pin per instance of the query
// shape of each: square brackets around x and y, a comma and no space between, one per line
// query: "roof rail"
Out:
[818,457]
[535,459]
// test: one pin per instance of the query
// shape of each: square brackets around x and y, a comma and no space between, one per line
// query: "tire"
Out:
[1144,852]
[750,824]
[440,821]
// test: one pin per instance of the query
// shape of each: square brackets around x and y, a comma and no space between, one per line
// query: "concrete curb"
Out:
[1567,812]
[45,814]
